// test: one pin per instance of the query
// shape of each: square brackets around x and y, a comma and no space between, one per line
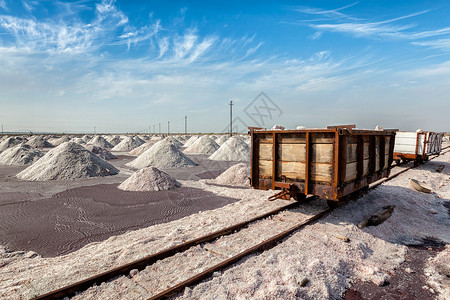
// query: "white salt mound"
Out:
[100,141]
[126,145]
[59,141]
[113,140]
[191,140]
[9,143]
[149,179]
[278,127]
[236,175]
[100,152]
[222,139]
[138,140]
[234,149]
[203,145]
[39,142]
[86,138]
[20,155]
[174,141]
[141,149]
[67,161]
[78,141]
[162,155]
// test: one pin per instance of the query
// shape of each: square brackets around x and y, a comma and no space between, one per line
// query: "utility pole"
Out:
[159,128]
[231,118]
[168,127]
[185,125]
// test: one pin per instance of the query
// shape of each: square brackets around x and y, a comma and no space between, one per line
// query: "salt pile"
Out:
[141,149]
[86,138]
[234,149]
[100,152]
[67,161]
[174,141]
[222,139]
[126,145]
[191,140]
[39,142]
[113,140]
[20,155]
[138,140]
[203,145]
[59,141]
[100,142]
[236,175]
[78,141]
[162,155]
[149,179]
[9,143]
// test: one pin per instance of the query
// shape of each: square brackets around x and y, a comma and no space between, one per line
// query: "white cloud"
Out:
[441,44]
[3,5]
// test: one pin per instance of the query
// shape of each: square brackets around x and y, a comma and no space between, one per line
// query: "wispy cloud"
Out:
[441,44]
[330,14]
[3,4]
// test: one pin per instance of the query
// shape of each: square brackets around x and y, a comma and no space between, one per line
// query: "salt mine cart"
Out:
[330,163]
[417,146]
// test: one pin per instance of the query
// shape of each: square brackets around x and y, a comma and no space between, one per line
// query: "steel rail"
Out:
[265,245]
[140,264]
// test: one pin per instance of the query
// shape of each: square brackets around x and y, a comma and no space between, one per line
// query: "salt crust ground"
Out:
[438,272]
[314,253]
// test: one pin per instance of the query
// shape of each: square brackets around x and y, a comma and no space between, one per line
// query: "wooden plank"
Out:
[292,152]
[352,152]
[265,151]
[265,168]
[322,153]
[343,158]
[351,171]
[265,138]
[296,171]
[322,138]
[366,150]
[293,138]
[366,167]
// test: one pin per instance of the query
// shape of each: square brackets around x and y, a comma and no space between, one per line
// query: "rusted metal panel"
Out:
[329,163]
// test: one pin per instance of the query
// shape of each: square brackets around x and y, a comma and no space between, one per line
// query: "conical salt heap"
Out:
[234,149]
[100,142]
[39,142]
[191,140]
[126,145]
[113,140]
[100,152]
[9,143]
[203,145]
[78,141]
[149,179]
[162,155]
[141,149]
[59,141]
[20,155]
[65,162]
[175,142]
[221,139]
[236,175]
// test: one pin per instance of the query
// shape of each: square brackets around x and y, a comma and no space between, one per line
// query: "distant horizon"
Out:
[128,66]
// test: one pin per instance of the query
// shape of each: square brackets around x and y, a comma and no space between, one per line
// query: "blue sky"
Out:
[125,66]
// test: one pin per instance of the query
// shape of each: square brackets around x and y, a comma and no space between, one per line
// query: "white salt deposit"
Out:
[67,161]
[149,179]
[191,140]
[100,152]
[379,128]
[203,145]
[126,145]
[100,142]
[221,139]
[162,155]
[278,127]
[234,149]
[174,141]
[141,149]
[438,272]
[20,155]
[78,141]
[39,142]
[59,141]
[236,175]
[86,138]
[9,143]
[138,140]
[113,140]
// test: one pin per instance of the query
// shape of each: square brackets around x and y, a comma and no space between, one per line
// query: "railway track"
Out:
[266,244]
